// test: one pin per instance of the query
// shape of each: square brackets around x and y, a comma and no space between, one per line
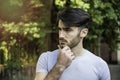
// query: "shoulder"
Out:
[101,66]
[46,60]
[50,53]
[94,59]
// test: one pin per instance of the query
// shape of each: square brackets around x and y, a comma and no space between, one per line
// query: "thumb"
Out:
[59,47]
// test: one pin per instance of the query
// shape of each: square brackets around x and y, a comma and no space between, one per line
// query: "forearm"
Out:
[55,73]
[64,60]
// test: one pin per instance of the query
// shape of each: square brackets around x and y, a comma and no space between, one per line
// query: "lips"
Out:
[62,45]
[62,42]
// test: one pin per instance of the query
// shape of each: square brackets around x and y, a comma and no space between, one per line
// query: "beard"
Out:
[75,40]
[73,43]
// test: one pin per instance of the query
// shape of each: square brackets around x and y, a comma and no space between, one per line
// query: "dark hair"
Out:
[74,17]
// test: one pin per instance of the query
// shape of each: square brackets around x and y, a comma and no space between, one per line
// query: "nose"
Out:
[61,34]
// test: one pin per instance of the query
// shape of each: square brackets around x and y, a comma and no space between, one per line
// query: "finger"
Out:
[71,53]
[72,57]
[66,48]
[59,47]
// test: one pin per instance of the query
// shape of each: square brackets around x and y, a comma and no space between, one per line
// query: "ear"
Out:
[84,32]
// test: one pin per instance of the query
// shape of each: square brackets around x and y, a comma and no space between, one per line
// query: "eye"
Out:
[59,29]
[67,29]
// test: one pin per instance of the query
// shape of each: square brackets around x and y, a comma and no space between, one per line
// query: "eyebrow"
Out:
[64,28]
[67,28]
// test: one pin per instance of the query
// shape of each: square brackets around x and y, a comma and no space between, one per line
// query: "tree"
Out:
[24,25]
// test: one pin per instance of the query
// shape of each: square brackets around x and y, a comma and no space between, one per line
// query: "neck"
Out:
[78,50]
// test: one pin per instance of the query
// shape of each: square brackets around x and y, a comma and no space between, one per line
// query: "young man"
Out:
[71,61]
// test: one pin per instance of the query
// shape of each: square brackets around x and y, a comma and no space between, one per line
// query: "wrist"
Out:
[61,68]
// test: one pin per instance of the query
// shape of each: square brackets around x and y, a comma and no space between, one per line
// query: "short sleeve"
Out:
[104,71]
[42,64]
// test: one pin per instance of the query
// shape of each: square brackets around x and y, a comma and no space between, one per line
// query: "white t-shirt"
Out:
[84,67]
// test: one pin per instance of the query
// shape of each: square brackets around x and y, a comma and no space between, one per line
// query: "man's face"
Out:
[68,36]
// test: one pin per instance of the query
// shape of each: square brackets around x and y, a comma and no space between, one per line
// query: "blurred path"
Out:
[115,72]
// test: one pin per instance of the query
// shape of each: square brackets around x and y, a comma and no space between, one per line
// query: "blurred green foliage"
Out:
[24,25]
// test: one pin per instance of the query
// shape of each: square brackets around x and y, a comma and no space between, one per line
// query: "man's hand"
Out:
[65,56]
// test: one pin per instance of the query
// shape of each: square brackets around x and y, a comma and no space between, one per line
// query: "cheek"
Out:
[73,38]
[76,36]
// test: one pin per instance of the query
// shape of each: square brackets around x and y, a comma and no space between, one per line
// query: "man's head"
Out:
[73,26]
